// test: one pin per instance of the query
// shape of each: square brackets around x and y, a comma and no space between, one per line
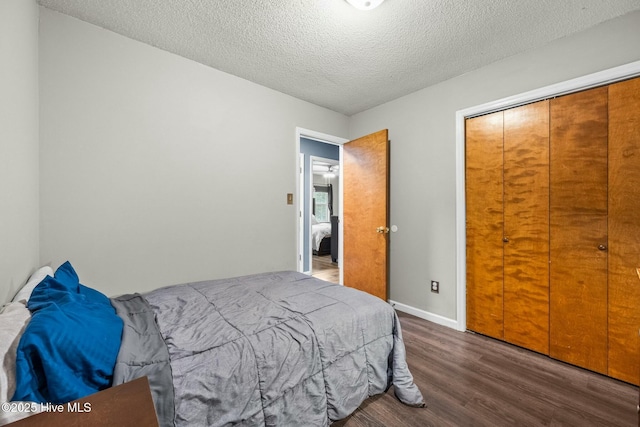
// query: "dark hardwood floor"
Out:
[472,380]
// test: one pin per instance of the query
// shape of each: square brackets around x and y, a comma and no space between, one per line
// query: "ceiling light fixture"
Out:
[330,173]
[365,4]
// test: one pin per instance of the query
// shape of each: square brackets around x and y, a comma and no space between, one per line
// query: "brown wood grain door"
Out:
[484,224]
[526,226]
[578,203]
[366,209]
[624,229]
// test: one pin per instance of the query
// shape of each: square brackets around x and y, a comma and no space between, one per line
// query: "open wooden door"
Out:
[366,213]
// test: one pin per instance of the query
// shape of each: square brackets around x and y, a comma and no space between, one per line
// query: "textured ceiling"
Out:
[328,53]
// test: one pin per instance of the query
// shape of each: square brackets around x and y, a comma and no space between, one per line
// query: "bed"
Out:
[321,238]
[271,349]
[324,238]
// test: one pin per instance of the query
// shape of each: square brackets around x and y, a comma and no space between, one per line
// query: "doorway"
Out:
[363,213]
[323,206]
[319,202]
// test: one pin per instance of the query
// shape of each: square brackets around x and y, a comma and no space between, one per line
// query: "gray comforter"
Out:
[273,349]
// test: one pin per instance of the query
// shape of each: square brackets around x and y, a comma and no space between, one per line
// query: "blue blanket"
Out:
[69,348]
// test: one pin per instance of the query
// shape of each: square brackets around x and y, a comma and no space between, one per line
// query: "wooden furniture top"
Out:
[128,404]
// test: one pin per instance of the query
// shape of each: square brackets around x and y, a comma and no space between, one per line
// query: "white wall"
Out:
[18,144]
[158,170]
[422,133]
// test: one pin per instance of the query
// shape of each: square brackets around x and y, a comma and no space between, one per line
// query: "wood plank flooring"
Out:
[473,380]
[323,268]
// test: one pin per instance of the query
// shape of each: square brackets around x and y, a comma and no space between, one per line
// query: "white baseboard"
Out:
[435,318]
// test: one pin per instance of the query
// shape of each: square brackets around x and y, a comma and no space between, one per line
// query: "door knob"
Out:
[505,239]
[602,247]
[382,230]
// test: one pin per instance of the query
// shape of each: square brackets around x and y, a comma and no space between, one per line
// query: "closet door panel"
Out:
[484,224]
[578,229]
[526,224]
[624,229]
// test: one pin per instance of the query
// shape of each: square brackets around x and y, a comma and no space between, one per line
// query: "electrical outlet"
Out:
[435,286]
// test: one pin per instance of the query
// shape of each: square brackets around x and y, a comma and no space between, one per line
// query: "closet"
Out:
[553,227]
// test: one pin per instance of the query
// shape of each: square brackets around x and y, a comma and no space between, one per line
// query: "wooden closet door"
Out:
[624,229]
[526,225]
[578,276]
[484,224]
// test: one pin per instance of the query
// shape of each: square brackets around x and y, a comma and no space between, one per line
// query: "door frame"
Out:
[600,78]
[327,139]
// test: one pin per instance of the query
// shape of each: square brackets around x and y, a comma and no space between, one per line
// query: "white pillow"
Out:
[25,292]
[314,221]
[13,319]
